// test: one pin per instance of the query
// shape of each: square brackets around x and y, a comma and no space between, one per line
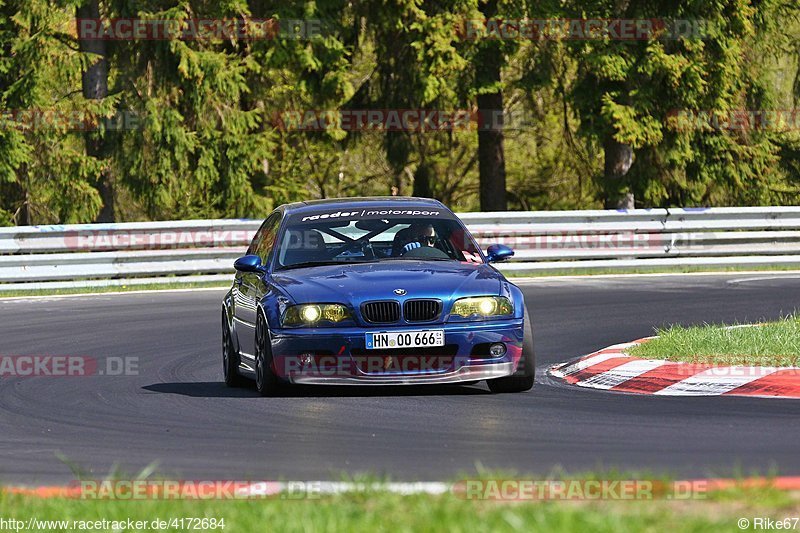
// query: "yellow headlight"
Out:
[487,306]
[334,312]
[309,314]
[482,306]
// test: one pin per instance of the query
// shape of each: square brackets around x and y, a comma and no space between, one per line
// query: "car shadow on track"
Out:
[201,389]
[218,389]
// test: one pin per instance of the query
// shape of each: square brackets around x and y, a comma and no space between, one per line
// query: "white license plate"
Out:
[405,339]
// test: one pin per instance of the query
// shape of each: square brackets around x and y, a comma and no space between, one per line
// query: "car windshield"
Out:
[320,241]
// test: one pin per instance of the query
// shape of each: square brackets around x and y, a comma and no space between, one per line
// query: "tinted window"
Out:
[310,240]
[264,240]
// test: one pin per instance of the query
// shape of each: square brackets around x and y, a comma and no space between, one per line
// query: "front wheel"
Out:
[267,383]
[522,379]
[230,357]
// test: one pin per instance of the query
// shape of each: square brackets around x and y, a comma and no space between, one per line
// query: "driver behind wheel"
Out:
[421,235]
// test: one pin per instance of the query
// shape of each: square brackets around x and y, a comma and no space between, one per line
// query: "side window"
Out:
[265,237]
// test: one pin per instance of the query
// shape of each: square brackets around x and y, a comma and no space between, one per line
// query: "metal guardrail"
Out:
[545,242]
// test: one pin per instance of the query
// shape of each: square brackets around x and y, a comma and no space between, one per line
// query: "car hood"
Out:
[356,283]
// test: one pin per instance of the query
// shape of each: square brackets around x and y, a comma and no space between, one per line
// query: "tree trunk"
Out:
[94,81]
[422,181]
[491,158]
[618,161]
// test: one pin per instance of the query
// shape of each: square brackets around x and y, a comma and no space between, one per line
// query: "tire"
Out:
[522,379]
[267,383]
[230,357]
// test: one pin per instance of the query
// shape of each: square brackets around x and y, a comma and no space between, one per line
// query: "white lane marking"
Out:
[268,488]
[584,363]
[557,278]
[762,278]
[716,381]
[620,374]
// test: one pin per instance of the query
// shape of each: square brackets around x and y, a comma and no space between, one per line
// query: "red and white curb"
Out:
[612,369]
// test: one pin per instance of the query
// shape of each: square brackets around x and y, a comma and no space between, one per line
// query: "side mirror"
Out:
[249,263]
[498,252]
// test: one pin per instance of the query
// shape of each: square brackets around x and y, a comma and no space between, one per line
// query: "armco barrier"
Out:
[545,242]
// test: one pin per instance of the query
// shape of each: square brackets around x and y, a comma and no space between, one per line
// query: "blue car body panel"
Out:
[352,284]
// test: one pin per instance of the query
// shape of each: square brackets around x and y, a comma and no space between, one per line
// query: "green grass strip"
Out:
[771,344]
[392,512]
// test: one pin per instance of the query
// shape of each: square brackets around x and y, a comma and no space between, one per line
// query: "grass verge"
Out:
[114,288]
[381,511]
[771,344]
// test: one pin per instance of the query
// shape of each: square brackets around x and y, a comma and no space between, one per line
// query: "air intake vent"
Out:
[381,312]
[422,310]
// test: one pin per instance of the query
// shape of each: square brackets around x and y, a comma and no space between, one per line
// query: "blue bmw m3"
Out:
[373,291]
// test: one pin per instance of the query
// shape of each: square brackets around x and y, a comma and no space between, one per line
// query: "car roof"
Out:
[363,202]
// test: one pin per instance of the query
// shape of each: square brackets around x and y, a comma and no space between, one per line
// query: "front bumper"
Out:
[338,356]
[461,375]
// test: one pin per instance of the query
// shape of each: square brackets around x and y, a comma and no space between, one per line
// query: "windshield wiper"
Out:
[309,264]
[305,264]
[401,258]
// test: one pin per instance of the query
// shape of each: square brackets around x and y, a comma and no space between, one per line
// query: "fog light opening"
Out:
[497,349]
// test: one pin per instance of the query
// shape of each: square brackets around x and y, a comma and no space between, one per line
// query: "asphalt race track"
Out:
[176,413]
